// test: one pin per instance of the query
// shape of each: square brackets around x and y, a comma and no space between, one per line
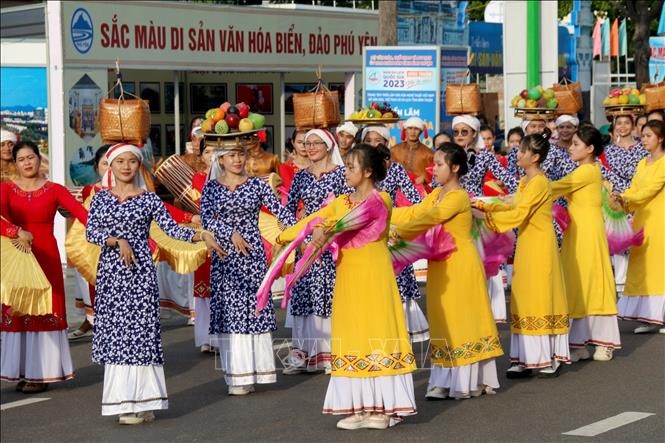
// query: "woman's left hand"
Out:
[319,237]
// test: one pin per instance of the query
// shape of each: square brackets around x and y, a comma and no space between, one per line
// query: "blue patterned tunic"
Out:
[313,292]
[622,164]
[235,279]
[480,163]
[397,178]
[126,330]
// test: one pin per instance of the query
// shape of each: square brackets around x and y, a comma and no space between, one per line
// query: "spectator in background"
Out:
[441,138]
[7,166]
[656,114]
[639,124]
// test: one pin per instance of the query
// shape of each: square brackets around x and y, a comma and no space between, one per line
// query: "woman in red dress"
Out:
[35,350]
[298,161]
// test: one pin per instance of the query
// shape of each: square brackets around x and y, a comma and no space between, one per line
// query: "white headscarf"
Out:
[331,144]
[216,170]
[565,118]
[108,181]
[473,123]
[349,128]
[379,129]
[8,136]
[526,123]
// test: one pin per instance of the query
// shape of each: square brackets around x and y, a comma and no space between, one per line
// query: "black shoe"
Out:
[512,372]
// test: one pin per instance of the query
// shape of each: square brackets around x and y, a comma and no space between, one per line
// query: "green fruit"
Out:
[534,93]
[221,127]
[373,113]
[258,120]
[548,94]
[633,99]
[552,103]
[211,112]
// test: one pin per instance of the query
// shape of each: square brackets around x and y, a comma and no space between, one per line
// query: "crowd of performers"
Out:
[345,204]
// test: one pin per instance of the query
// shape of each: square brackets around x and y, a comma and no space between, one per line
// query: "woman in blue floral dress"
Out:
[230,208]
[619,162]
[398,179]
[311,296]
[127,339]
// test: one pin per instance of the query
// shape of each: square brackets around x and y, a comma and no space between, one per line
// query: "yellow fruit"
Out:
[606,101]
[623,99]
[643,99]
[635,92]
[531,103]
[614,101]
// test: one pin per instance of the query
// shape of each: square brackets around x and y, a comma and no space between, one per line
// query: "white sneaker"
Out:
[205,348]
[351,422]
[578,354]
[376,421]
[436,393]
[550,371]
[661,331]
[130,419]
[190,321]
[241,390]
[646,328]
[603,353]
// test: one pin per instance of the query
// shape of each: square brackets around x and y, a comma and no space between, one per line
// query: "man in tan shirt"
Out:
[412,154]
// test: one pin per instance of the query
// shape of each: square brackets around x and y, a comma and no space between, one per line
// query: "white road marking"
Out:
[27,401]
[608,424]
[281,346]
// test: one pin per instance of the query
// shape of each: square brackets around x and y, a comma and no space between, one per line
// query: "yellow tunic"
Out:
[585,256]
[538,297]
[462,328]
[646,197]
[368,328]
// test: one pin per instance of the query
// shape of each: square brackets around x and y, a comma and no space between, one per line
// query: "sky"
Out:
[22,86]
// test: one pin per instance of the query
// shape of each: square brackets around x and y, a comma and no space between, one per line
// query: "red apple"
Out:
[524,94]
[243,110]
[232,120]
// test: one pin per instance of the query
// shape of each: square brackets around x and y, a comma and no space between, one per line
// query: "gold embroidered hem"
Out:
[373,365]
[467,353]
[554,324]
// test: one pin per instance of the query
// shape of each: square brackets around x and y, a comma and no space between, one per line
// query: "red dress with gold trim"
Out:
[34,212]
[202,274]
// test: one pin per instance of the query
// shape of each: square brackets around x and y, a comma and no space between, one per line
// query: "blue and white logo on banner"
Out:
[82,30]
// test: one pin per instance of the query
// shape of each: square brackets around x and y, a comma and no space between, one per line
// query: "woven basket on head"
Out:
[318,108]
[569,96]
[655,96]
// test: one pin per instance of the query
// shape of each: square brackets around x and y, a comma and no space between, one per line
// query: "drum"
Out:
[177,175]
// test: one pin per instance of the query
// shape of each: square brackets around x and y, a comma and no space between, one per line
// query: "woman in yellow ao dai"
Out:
[644,294]
[464,339]
[585,255]
[539,321]
[371,354]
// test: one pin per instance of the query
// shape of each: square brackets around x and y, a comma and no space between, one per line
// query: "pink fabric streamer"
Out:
[263,294]
[436,244]
[561,216]
[363,224]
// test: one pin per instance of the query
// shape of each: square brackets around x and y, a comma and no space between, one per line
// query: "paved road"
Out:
[200,410]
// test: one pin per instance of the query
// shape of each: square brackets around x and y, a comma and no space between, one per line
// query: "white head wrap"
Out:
[347,127]
[414,122]
[565,118]
[196,130]
[331,144]
[473,123]
[8,136]
[379,129]
[216,170]
[526,123]
[108,181]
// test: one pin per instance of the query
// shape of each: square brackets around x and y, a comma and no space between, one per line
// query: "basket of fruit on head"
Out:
[375,113]
[624,101]
[535,103]
[232,120]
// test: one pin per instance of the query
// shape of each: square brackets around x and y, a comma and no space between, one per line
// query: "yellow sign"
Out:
[188,36]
